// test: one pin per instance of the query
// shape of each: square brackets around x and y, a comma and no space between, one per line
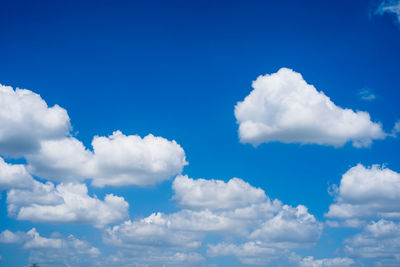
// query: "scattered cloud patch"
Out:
[41,134]
[366,193]
[215,194]
[55,250]
[238,211]
[14,176]
[391,7]
[116,160]
[379,240]
[26,120]
[367,95]
[327,262]
[29,199]
[283,107]
[69,203]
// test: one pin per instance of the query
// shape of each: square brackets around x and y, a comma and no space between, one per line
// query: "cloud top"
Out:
[283,107]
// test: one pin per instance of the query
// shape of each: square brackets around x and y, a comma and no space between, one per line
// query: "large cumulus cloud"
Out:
[283,107]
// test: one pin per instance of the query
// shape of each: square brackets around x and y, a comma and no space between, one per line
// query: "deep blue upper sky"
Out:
[176,69]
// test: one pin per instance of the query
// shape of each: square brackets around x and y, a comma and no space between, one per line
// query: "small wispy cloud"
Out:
[391,7]
[366,95]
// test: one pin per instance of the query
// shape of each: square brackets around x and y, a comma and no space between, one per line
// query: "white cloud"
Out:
[37,241]
[116,160]
[253,252]
[327,262]
[65,203]
[367,193]
[55,250]
[9,237]
[215,194]
[236,211]
[26,120]
[379,240]
[14,176]
[41,134]
[132,160]
[291,226]
[155,257]
[391,7]
[153,231]
[283,107]
[61,160]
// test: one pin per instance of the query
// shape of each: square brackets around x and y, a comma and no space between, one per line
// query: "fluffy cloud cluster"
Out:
[379,240]
[55,250]
[41,134]
[215,194]
[14,176]
[116,160]
[283,107]
[234,209]
[26,120]
[151,257]
[366,193]
[32,200]
[328,262]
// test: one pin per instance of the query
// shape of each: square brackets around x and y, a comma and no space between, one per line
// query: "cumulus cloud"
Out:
[253,252]
[215,194]
[379,240]
[116,160]
[366,193]
[61,160]
[291,226]
[29,199]
[26,120]
[327,262]
[69,203]
[233,210]
[283,107]
[155,257]
[9,237]
[14,176]
[391,7]
[41,134]
[132,160]
[55,250]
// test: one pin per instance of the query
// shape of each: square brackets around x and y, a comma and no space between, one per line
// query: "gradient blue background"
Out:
[177,68]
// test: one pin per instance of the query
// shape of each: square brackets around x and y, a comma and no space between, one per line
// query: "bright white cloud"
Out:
[55,250]
[14,176]
[379,240]
[291,226]
[132,160]
[65,203]
[366,193]
[9,237]
[327,262]
[61,160]
[391,7]
[235,210]
[155,257]
[41,134]
[26,120]
[155,230]
[283,107]
[215,194]
[253,252]
[116,160]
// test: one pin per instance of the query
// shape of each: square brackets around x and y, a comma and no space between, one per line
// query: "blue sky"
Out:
[156,111]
